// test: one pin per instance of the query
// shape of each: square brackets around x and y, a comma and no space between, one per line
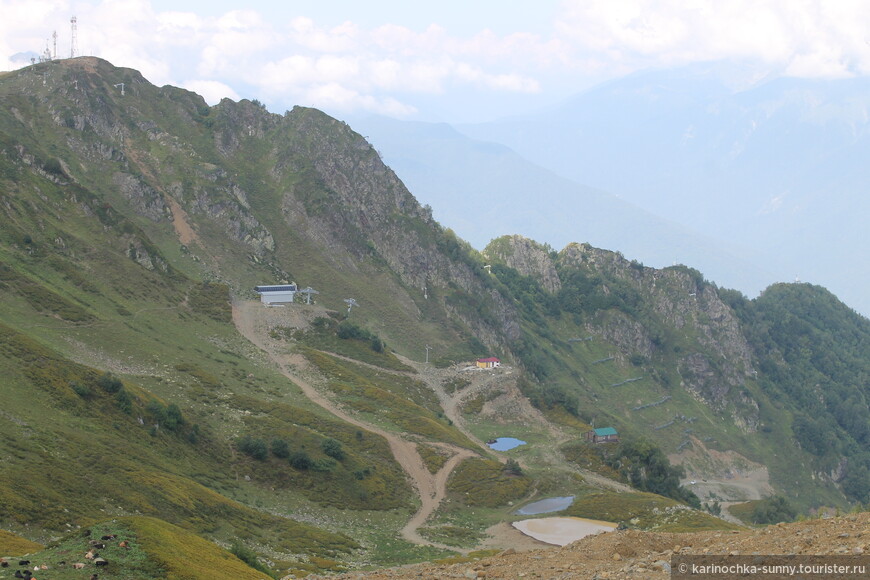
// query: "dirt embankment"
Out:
[635,554]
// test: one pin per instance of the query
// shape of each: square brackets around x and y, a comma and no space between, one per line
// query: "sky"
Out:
[455,61]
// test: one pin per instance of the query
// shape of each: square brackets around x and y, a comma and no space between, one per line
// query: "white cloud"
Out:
[307,35]
[385,73]
[337,97]
[383,65]
[212,91]
[823,38]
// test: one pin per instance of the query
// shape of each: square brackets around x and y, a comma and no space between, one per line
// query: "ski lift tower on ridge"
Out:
[308,292]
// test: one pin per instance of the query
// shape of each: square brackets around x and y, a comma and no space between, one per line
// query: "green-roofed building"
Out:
[602,435]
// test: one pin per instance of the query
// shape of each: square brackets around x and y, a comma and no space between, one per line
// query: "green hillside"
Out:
[668,356]
[145,386]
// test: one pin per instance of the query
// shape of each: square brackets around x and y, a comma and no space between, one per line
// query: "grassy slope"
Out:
[72,295]
[594,373]
[155,549]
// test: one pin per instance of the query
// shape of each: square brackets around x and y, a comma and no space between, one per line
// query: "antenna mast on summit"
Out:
[74,43]
[54,38]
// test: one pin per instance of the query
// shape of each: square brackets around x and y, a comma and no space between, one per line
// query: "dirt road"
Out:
[249,318]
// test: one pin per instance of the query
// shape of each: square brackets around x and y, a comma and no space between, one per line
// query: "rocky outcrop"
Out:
[714,364]
[144,200]
[527,257]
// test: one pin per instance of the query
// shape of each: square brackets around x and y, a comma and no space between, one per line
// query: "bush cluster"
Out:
[350,331]
[259,449]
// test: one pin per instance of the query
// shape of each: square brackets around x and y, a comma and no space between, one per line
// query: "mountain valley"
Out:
[149,394]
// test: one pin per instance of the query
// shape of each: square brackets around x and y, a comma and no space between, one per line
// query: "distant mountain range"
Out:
[777,164]
[483,190]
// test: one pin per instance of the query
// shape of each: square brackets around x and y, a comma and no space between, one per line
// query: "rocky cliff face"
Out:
[335,190]
[527,257]
[671,313]
[685,304]
[172,160]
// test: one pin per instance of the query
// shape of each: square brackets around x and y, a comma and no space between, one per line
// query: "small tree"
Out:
[512,467]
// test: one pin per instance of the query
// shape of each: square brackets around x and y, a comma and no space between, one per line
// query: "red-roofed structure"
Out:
[488,363]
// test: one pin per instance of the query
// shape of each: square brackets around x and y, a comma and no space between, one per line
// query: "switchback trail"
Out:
[249,319]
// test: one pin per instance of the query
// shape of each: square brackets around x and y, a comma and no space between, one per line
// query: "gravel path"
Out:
[249,318]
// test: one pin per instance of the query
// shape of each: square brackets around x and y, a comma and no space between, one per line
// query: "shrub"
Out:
[512,467]
[253,447]
[169,417]
[110,383]
[350,331]
[124,401]
[773,510]
[280,448]
[249,557]
[81,390]
[300,460]
[54,166]
[173,417]
[332,448]
[193,435]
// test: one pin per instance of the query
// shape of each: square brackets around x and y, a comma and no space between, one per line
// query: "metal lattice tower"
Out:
[74,42]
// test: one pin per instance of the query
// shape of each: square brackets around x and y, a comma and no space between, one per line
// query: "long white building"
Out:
[277,294]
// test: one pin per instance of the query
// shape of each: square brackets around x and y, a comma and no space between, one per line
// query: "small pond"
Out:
[562,531]
[545,506]
[505,443]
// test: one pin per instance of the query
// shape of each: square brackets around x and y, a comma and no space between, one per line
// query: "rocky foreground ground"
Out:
[635,554]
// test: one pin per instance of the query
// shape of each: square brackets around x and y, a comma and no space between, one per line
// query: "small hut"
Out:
[602,435]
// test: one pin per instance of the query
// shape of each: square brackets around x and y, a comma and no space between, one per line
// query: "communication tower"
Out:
[46,55]
[54,39]
[74,43]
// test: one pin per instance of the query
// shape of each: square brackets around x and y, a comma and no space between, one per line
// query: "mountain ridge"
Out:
[773,162]
[136,217]
[447,169]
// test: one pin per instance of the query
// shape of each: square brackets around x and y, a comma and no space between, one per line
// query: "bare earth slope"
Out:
[634,554]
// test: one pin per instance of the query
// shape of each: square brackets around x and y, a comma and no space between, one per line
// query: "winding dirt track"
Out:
[430,488]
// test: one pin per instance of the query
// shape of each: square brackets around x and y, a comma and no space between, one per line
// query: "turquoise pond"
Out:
[506,443]
[545,506]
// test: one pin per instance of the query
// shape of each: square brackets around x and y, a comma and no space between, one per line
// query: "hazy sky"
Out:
[446,60]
